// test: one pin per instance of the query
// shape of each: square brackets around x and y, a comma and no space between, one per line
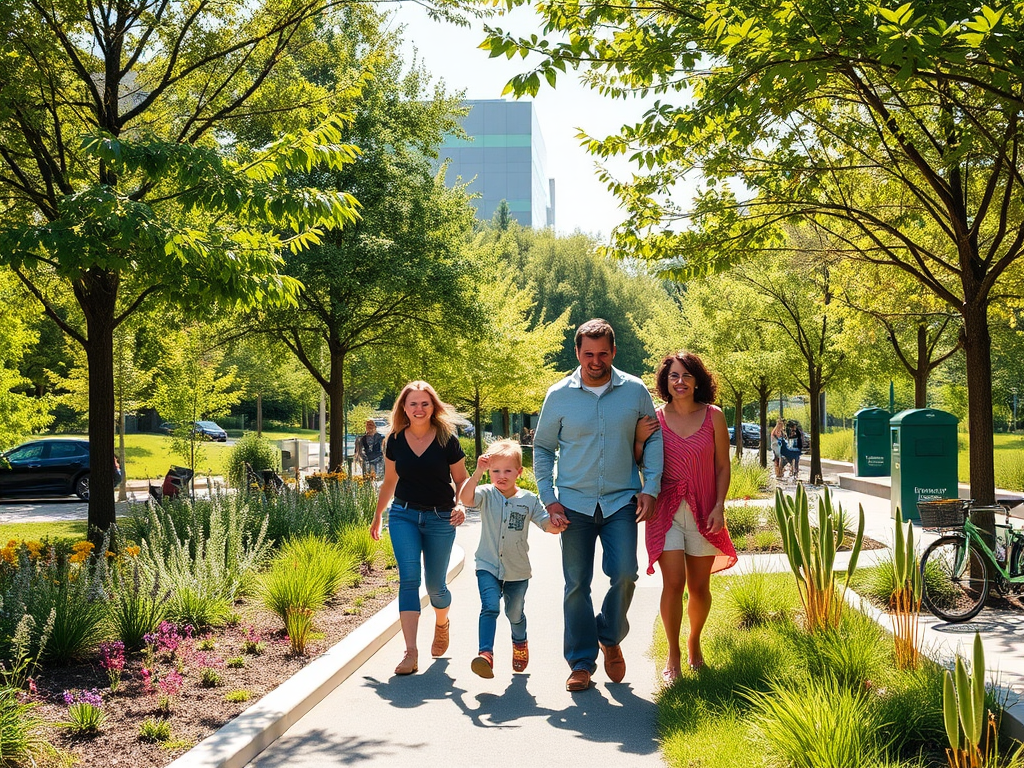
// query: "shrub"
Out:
[290,583]
[342,503]
[852,653]
[836,445]
[257,452]
[299,624]
[753,601]
[21,731]
[154,730]
[138,606]
[235,662]
[210,678]
[339,567]
[749,480]
[744,518]
[205,574]
[356,541]
[238,696]
[767,540]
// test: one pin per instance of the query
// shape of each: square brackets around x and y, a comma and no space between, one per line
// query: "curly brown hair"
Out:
[705,388]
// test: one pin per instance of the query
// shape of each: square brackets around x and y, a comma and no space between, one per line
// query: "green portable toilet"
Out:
[924,458]
[871,456]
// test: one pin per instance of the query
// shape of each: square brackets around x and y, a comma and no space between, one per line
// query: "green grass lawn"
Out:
[150,455]
[61,529]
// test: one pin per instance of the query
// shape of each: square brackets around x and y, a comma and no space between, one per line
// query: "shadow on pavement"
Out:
[328,747]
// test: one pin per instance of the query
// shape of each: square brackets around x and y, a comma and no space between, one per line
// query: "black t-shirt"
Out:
[371,445]
[424,480]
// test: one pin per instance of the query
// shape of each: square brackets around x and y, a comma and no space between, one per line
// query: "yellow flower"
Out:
[9,554]
[132,551]
[83,546]
[78,557]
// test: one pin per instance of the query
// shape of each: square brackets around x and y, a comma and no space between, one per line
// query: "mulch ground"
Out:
[198,711]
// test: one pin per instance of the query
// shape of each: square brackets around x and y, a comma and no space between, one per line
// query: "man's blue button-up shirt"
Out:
[590,439]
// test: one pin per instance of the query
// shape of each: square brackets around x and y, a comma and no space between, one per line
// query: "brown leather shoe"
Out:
[614,664]
[440,644]
[408,665]
[579,680]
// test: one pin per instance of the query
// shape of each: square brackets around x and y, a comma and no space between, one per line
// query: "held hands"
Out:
[458,515]
[716,519]
[559,520]
[645,504]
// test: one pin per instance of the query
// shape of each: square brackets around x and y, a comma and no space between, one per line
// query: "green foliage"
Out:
[238,697]
[154,729]
[20,414]
[21,731]
[338,566]
[210,678]
[77,597]
[138,603]
[853,654]
[744,519]
[822,723]
[205,573]
[325,513]
[837,444]
[356,541]
[749,481]
[298,623]
[235,662]
[752,600]
[963,708]
[257,452]
[85,718]
[811,553]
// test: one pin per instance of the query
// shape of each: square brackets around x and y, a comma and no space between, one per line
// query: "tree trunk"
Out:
[506,422]
[96,292]
[738,425]
[923,369]
[762,405]
[122,489]
[259,414]
[814,393]
[479,436]
[336,414]
[978,349]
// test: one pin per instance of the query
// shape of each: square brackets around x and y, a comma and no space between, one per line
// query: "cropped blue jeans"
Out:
[421,537]
[491,592]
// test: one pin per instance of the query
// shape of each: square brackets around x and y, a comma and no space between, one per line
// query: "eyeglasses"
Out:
[680,377]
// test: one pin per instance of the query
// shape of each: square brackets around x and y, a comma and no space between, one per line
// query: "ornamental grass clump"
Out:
[21,731]
[85,712]
[906,608]
[811,552]
[752,600]
[138,604]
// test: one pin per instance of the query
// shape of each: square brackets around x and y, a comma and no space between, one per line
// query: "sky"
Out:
[452,53]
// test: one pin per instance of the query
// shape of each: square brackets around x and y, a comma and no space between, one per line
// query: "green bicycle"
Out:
[958,568]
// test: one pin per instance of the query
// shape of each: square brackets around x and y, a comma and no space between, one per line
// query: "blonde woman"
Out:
[422,461]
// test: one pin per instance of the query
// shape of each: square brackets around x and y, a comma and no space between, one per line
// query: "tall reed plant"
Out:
[906,598]
[22,740]
[138,603]
[811,552]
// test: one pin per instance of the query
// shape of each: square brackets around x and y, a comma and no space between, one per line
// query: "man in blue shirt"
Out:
[586,428]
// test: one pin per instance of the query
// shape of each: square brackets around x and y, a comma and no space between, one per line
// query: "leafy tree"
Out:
[508,364]
[898,130]
[125,171]
[20,413]
[191,387]
[502,218]
[399,271]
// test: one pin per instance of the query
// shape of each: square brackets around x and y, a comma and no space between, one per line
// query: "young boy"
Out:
[502,560]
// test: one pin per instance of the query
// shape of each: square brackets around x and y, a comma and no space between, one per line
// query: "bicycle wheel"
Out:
[955,582]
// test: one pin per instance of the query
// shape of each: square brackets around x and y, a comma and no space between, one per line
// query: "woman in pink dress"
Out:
[687,536]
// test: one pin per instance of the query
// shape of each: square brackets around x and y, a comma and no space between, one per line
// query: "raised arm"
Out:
[467,493]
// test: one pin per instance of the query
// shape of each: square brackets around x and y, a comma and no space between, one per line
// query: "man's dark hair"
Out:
[595,329]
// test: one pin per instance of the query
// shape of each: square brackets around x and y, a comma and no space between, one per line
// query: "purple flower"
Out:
[69,698]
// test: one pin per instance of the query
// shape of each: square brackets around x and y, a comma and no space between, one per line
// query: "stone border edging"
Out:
[243,738]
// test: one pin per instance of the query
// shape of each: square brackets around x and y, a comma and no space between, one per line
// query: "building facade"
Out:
[503,158]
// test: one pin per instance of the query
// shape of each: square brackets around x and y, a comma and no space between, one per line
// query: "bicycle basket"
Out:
[943,513]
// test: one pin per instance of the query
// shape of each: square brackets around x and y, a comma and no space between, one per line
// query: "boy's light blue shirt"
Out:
[592,438]
[503,550]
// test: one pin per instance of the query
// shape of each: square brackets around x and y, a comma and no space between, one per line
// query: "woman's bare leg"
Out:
[698,578]
[673,578]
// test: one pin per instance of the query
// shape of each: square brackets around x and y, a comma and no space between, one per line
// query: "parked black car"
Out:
[751,435]
[58,467]
[207,430]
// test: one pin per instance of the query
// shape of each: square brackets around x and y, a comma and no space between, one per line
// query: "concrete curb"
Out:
[255,729]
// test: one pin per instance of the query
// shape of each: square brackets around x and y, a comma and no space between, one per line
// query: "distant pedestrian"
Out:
[792,446]
[423,459]
[687,536]
[370,451]
[502,558]
[587,428]
[778,434]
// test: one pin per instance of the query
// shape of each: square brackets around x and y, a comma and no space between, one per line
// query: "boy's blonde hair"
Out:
[506,449]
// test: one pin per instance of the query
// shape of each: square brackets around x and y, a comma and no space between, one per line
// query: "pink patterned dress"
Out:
[689,474]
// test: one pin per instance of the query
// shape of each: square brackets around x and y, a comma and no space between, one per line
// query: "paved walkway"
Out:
[447,716]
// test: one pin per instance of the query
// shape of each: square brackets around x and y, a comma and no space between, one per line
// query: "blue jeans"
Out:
[491,591]
[417,534]
[583,630]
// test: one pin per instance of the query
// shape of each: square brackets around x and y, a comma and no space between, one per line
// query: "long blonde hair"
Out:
[441,418]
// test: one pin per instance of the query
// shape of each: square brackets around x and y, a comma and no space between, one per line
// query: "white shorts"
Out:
[684,535]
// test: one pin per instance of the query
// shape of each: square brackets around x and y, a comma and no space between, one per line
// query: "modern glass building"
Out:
[503,159]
